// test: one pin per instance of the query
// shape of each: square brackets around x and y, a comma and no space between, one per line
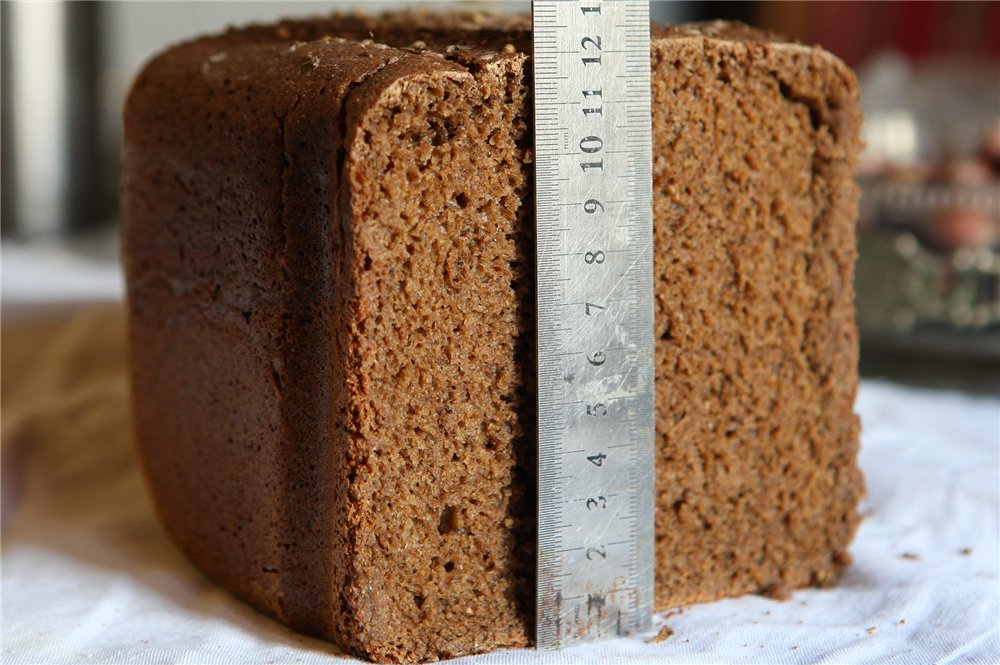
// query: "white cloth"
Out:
[88,576]
[45,273]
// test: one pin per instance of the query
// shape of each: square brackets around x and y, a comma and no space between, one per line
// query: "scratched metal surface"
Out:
[595,327]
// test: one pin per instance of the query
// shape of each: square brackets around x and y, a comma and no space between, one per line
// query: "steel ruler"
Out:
[593,160]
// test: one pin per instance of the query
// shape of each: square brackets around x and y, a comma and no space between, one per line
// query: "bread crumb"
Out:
[965,551]
[665,632]
[910,556]
[509,48]
[902,621]
[871,630]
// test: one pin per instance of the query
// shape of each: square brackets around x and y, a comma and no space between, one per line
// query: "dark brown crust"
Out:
[227,176]
[256,253]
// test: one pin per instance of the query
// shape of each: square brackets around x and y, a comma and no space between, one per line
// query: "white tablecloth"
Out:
[89,577]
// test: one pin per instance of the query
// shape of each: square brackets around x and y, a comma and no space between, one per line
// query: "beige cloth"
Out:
[64,388]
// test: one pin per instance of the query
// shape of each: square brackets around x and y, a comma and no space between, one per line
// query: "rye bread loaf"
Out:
[328,244]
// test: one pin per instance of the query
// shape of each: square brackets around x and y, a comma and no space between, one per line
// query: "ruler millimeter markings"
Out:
[593,161]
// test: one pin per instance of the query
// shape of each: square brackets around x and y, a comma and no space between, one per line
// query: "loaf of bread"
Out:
[328,243]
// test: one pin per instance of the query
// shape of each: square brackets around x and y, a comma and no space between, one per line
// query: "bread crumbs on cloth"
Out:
[665,632]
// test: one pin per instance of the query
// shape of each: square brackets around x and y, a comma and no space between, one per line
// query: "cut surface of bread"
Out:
[329,249]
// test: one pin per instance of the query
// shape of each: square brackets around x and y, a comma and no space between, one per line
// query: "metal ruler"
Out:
[593,161]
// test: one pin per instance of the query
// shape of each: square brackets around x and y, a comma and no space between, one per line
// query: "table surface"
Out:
[89,576]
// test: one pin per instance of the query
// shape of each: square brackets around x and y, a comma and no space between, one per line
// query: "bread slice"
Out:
[328,245]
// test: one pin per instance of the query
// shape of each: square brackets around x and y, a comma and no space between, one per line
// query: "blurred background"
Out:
[929,269]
